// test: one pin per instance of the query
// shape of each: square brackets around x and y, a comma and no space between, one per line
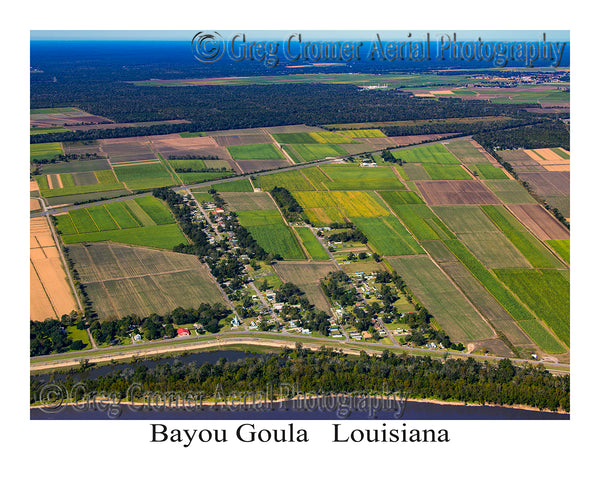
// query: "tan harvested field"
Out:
[34,204]
[176,142]
[307,275]
[33,186]
[233,140]
[50,293]
[517,157]
[123,280]
[441,92]
[379,142]
[456,192]
[129,149]
[294,129]
[543,225]
[545,156]
[558,168]
[249,200]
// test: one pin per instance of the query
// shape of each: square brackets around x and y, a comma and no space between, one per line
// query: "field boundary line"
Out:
[113,218]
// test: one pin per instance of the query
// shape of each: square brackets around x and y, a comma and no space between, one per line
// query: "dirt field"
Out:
[233,140]
[456,192]
[50,293]
[548,183]
[540,222]
[306,276]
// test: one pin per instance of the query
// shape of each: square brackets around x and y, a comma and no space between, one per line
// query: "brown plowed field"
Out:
[456,192]
[540,222]
[233,140]
[548,183]
[517,157]
[50,293]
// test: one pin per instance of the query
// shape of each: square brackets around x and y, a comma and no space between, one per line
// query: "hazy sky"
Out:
[387,35]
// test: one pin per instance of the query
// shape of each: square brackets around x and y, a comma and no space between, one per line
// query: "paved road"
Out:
[227,338]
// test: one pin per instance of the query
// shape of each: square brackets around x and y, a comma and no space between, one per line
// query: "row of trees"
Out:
[289,206]
[332,372]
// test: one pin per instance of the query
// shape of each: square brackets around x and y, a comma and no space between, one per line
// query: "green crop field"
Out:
[316,177]
[292,180]
[47,111]
[434,153]
[541,336]
[44,130]
[67,180]
[562,247]
[157,236]
[295,156]
[533,287]
[193,164]
[312,244]
[144,221]
[105,176]
[310,152]
[445,302]
[352,177]
[488,172]
[387,235]
[146,175]
[101,218]
[488,280]
[467,152]
[401,198]
[509,191]
[446,172]
[299,137]
[529,246]
[38,151]
[422,222]
[261,151]
[271,232]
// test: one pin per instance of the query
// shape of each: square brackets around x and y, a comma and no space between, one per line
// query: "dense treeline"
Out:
[328,372]
[466,128]
[289,206]
[156,326]
[550,133]
[51,336]
[219,107]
